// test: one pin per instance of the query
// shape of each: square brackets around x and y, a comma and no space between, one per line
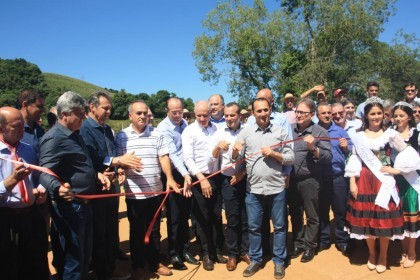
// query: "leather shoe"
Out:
[231,264]
[308,255]
[221,259]
[208,264]
[190,259]
[279,271]
[344,249]
[296,252]
[245,258]
[163,270]
[251,269]
[178,264]
[323,247]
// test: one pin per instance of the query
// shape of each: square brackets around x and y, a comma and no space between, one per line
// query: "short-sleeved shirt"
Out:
[149,146]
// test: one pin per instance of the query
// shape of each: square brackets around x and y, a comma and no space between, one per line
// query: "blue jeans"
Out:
[255,205]
[73,224]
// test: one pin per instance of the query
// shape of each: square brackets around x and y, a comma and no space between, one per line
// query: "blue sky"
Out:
[141,46]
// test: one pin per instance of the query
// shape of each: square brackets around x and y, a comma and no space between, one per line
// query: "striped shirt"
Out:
[149,146]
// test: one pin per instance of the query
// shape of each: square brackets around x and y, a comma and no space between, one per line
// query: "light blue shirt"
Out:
[360,110]
[13,197]
[172,134]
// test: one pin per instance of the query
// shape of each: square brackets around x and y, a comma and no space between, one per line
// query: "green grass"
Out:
[61,84]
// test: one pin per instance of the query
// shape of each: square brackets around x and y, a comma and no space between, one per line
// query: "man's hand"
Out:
[104,181]
[223,145]
[171,184]
[318,88]
[237,177]
[131,161]
[121,176]
[186,191]
[41,195]
[109,174]
[237,147]
[266,151]
[65,192]
[344,144]
[310,142]
[206,188]
[19,173]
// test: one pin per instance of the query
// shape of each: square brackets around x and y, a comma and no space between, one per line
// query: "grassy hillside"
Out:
[59,84]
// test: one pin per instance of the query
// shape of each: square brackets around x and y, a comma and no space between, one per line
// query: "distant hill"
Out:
[60,83]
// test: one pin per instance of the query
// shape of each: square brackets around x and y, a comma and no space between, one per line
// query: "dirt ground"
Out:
[327,265]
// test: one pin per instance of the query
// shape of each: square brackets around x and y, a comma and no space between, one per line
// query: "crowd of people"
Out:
[359,161]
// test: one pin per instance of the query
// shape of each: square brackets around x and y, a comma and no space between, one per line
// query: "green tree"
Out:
[157,102]
[120,102]
[300,44]
[15,75]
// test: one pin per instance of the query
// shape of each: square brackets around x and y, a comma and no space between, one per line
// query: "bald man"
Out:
[207,202]
[21,255]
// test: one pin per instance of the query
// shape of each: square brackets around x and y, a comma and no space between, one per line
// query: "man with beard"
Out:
[266,184]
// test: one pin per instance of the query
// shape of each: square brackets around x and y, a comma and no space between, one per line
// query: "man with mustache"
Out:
[335,187]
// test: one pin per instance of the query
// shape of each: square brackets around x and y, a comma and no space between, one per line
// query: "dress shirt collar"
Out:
[267,129]
[307,130]
[174,126]
[65,130]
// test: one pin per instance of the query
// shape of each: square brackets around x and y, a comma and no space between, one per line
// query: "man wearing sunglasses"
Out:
[410,93]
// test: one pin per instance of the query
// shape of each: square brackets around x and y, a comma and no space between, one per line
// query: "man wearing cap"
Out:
[289,108]
[186,115]
[339,94]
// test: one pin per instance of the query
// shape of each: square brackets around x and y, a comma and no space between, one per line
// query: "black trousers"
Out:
[304,196]
[22,255]
[208,213]
[105,235]
[178,211]
[334,193]
[140,213]
[237,240]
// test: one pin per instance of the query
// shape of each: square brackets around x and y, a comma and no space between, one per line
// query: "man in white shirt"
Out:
[207,202]
[233,187]
[217,104]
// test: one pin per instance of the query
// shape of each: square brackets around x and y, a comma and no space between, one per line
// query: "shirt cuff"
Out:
[108,161]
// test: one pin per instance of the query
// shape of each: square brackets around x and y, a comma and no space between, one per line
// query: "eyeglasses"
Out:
[302,113]
[410,90]
[338,113]
[416,111]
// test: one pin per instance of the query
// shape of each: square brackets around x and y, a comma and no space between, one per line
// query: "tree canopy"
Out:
[15,75]
[304,43]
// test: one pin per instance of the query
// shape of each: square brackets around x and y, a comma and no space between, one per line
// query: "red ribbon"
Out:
[149,229]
